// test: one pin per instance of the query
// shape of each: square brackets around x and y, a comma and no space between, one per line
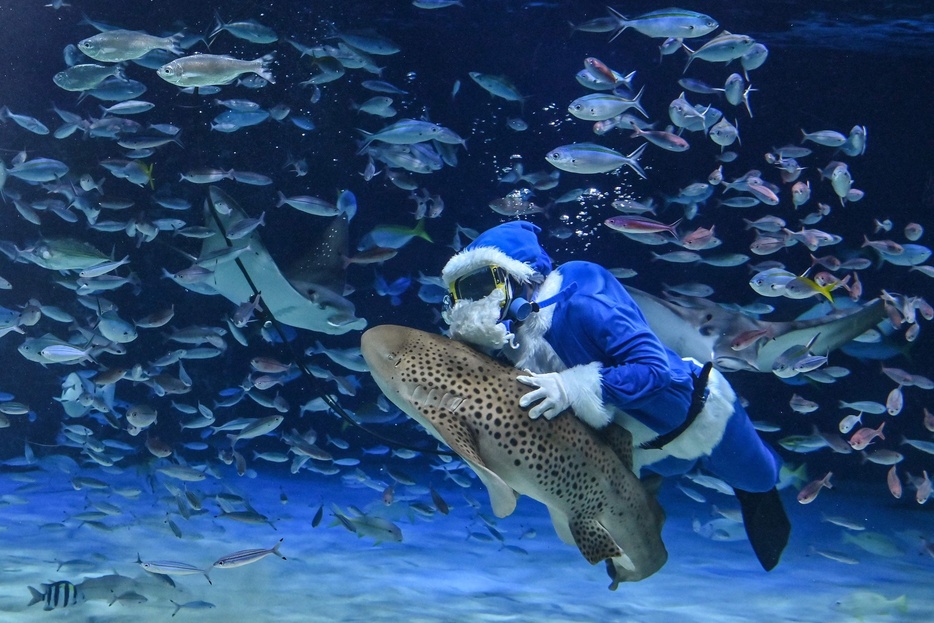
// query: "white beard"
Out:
[477,322]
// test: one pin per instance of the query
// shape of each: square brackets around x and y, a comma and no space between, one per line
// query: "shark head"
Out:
[471,403]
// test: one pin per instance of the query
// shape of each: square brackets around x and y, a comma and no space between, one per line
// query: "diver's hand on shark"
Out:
[549,390]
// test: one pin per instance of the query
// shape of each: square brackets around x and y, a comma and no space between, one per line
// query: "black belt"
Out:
[698,399]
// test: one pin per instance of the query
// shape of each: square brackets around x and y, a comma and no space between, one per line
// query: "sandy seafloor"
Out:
[439,573]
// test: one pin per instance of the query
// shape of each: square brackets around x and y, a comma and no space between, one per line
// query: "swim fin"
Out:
[767,525]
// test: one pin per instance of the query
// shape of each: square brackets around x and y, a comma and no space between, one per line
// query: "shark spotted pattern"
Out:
[470,402]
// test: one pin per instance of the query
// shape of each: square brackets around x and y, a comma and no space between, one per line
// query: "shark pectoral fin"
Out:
[460,438]
[560,521]
[502,496]
[594,541]
[652,483]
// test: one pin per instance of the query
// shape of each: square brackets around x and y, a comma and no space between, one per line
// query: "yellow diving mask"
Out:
[480,283]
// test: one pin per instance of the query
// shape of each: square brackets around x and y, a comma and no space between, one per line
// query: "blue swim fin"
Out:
[767,525]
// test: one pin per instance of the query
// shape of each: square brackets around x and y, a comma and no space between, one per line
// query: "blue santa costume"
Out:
[588,347]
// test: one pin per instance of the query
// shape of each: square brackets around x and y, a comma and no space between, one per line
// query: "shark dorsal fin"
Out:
[620,441]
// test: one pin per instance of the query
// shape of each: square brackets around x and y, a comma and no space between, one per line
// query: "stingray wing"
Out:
[282,300]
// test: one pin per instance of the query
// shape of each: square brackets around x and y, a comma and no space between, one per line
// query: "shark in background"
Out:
[699,328]
[470,402]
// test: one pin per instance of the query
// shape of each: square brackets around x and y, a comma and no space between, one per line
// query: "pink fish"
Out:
[631,224]
[924,489]
[698,239]
[829,262]
[864,436]
[763,193]
[809,491]
[855,289]
[924,308]
[389,495]
[895,401]
[747,338]
[660,138]
[895,483]
[888,247]
[928,420]
[600,72]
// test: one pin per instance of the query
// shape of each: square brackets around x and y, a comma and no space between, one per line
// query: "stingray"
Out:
[698,328]
[309,295]
[471,403]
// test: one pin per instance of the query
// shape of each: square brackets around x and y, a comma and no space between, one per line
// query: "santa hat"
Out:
[512,246]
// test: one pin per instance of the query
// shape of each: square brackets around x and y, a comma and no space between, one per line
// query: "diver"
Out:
[587,347]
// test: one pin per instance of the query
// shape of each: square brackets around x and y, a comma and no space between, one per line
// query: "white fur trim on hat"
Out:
[470,260]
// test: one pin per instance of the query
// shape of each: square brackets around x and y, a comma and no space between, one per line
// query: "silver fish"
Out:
[665,23]
[723,48]
[170,567]
[497,86]
[202,70]
[586,158]
[247,556]
[113,46]
[84,77]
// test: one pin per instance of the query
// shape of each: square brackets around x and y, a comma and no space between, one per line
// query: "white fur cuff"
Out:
[584,387]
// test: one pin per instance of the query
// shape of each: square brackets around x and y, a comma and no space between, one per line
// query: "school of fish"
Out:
[108,210]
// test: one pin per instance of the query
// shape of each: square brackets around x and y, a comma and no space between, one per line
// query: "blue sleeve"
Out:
[635,363]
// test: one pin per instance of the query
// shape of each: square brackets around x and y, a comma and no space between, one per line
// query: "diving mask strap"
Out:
[562,295]
[520,308]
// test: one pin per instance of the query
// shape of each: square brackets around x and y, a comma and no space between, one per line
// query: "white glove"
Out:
[554,398]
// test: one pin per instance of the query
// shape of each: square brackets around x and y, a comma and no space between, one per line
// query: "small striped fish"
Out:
[59,594]
[171,567]
[247,556]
